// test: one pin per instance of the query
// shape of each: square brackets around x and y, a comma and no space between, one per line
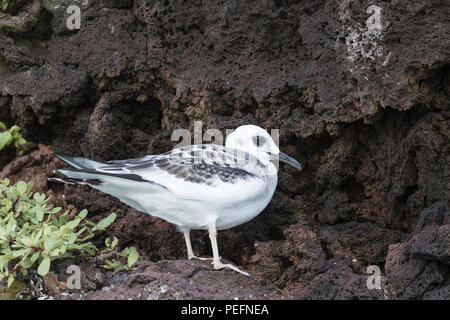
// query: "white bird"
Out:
[207,187]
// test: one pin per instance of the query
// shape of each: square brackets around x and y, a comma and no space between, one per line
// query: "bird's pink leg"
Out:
[216,258]
[191,254]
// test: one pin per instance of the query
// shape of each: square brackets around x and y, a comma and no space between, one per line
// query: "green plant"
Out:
[12,135]
[3,7]
[130,254]
[34,234]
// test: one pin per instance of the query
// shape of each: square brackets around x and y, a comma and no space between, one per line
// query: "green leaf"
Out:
[72,238]
[105,223]
[22,187]
[114,242]
[30,185]
[118,268]
[35,256]
[5,138]
[125,252]
[10,280]
[3,261]
[89,236]
[37,238]
[133,258]
[19,253]
[72,224]
[49,244]
[63,218]
[40,214]
[55,210]
[44,267]
[83,213]
[27,263]
[55,221]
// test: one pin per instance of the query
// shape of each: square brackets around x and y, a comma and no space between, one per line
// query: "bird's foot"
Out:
[220,265]
[199,258]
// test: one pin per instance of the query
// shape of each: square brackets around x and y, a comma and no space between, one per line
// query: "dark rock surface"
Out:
[366,112]
[419,267]
[174,279]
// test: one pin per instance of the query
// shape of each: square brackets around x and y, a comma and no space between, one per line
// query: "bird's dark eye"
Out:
[259,141]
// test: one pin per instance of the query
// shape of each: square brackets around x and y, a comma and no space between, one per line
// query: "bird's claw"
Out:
[220,265]
[199,258]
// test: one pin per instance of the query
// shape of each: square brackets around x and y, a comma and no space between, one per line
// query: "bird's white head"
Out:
[259,143]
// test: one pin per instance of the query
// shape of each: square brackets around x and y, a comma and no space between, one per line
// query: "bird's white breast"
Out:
[226,204]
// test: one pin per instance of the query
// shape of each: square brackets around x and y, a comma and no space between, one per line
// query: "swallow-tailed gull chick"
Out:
[208,186]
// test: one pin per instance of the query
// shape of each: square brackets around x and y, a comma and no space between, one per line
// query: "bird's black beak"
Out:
[289,160]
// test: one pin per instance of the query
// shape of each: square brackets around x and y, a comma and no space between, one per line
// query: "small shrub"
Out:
[12,135]
[33,234]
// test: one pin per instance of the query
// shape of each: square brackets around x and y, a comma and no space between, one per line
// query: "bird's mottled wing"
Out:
[201,164]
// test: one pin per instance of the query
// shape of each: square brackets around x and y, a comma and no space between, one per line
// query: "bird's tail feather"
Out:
[124,187]
[79,162]
[95,178]
[75,177]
